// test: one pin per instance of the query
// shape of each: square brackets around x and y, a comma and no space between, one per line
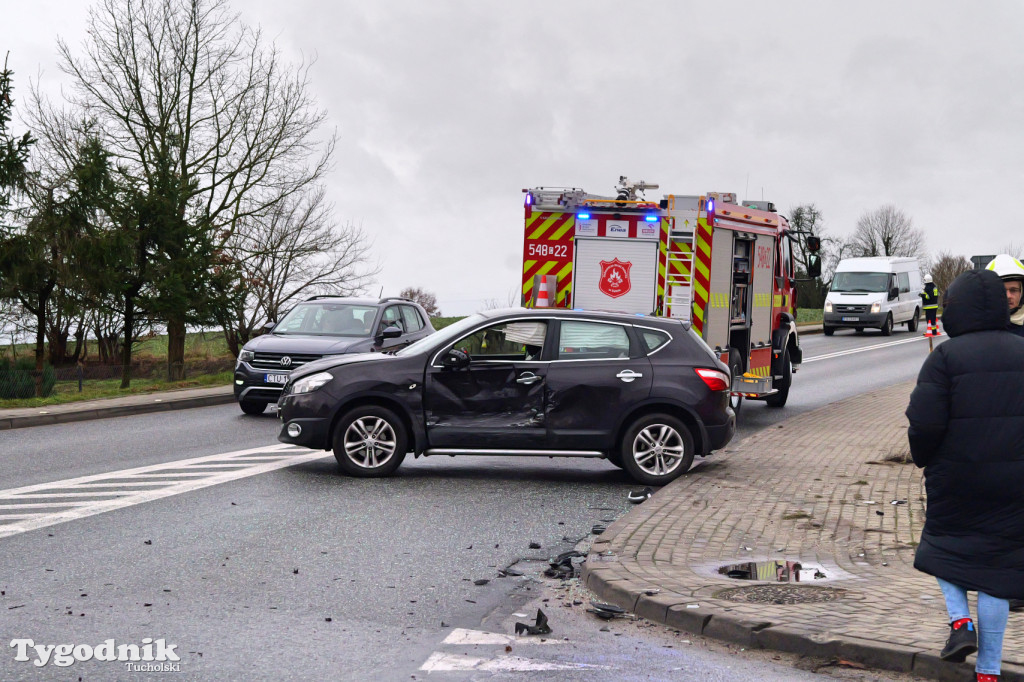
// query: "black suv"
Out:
[322,326]
[645,393]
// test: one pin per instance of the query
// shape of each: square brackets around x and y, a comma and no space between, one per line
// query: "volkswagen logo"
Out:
[286,361]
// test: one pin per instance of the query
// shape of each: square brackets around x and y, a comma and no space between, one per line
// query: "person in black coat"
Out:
[967,431]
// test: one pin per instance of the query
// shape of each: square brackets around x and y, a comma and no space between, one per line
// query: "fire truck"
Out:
[725,267]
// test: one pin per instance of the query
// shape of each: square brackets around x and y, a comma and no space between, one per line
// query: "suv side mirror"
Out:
[894,293]
[268,326]
[455,359]
[391,332]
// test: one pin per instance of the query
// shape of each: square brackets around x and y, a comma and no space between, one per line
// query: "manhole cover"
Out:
[780,594]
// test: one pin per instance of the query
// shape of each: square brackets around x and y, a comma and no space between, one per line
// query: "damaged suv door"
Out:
[486,390]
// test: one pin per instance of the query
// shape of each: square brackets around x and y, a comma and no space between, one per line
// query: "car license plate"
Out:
[851,319]
[276,378]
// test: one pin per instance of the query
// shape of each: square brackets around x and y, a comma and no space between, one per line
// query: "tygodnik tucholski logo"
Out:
[149,656]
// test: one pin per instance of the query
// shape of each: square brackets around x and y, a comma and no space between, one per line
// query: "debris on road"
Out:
[598,529]
[534,545]
[481,581]
[606,611]
[638,496]
[540,627]
[562,567]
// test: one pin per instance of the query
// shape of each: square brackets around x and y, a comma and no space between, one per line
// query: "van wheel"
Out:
[657,449]
[735,370]
[369,442]
[887,325]
[829,331]
[913,322]
[779,399]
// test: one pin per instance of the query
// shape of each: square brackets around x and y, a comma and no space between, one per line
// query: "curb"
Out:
[161,404]
[672,611]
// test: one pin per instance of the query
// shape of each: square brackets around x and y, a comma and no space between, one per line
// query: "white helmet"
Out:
[1007,267]
[927,279]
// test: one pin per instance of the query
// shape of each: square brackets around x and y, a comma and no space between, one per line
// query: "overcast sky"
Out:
[445,111]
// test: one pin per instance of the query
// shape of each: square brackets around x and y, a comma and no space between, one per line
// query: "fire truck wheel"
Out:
[656,449]
[735,370]
[887,325]
[369,442]
[829,331]
[779,399]
[912,322]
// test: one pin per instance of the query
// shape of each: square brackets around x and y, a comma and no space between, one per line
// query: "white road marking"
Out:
[439,662]
[861,350]
[206,471]
[474,637]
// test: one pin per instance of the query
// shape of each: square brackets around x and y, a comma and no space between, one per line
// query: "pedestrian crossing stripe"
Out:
[47,504]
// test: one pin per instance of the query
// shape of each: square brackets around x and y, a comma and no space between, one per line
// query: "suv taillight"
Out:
[716,380]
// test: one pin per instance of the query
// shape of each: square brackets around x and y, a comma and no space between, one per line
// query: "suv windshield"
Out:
[324,318]
[860,281]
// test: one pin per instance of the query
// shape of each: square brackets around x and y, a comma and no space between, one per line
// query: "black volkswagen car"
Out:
[645,393]
[322,326]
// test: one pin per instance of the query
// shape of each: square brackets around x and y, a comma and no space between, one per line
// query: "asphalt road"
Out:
[299,572]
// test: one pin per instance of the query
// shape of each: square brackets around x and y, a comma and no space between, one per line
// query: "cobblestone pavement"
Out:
[817,489]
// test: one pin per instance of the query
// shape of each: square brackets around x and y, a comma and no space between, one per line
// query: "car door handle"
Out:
[528,378]
[628,375]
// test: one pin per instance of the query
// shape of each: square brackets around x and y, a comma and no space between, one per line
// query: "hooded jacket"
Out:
[967,431]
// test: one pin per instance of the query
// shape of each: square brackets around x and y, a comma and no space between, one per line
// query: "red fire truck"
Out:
[725,267]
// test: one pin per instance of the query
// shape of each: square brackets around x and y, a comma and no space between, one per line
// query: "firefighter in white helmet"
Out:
[930,305]
[1011,271]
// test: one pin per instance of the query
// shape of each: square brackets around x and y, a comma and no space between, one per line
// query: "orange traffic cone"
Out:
[542,294]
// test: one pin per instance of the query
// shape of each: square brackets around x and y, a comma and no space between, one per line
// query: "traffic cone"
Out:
[542,294]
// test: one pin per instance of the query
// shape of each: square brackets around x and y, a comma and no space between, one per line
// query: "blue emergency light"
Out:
[651,218]
[529,198]
[711,205]
[583,216]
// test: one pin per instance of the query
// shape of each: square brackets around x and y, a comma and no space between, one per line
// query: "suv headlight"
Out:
[245,356]
[312,382]
[828,306]
[876,307]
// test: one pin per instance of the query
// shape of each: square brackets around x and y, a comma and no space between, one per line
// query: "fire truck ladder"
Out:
[679,276]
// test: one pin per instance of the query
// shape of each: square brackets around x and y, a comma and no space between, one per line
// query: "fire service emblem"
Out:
[614,280]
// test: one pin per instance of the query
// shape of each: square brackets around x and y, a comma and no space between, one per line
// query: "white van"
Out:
[874,292]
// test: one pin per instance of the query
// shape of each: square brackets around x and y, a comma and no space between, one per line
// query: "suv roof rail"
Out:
[318,296]
[395,298]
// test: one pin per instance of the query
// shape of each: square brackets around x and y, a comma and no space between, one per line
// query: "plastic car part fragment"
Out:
[540,627]
[638,496]
[606,611]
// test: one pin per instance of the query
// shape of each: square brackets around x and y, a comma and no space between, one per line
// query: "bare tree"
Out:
[946,268]
[887,231]
[202,118]
[423,297]
[295,248]
[511,300]
[1014,249]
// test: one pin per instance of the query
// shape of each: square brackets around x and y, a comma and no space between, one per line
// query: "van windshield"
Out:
[860,282]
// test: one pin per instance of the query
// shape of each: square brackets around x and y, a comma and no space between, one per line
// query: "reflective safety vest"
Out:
[930,296]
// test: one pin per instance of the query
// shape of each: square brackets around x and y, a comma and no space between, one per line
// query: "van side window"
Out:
[904,282]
